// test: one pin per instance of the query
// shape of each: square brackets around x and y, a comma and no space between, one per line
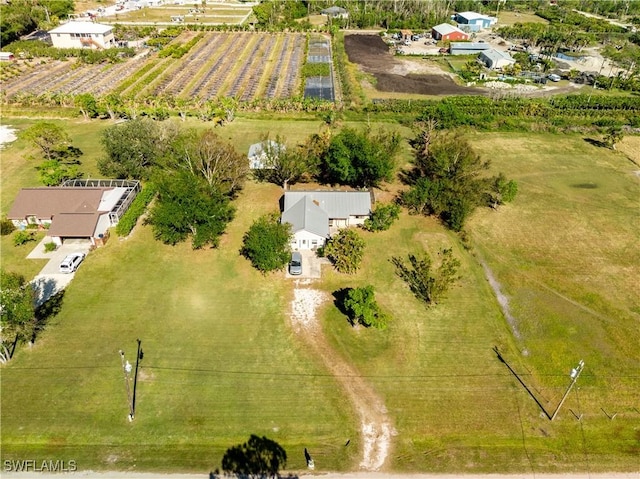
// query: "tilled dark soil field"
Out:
[373,56]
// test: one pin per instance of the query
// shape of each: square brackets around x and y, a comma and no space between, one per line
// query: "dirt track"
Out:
[397,75]
[375,426]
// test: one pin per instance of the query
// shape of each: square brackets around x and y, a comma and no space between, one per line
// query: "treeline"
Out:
[519,114]
[290,14]
[20,17]
[567,16]
[39,49]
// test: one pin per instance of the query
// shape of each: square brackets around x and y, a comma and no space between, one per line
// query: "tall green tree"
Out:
[345,250]
[205,155]
[267,243]
[361,307]
[187,207]
[360,158]
[448,180]
[259,457]
[49,137]
[613,135]
[17,310]
[382,217]
[285,166]
[427,282]
[134,148]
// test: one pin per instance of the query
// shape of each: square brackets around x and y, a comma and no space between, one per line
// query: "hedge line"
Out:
[138,206]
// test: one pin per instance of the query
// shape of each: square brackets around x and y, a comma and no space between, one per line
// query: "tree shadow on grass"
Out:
[595,142]
[257,458]
[47,310]
[339,297]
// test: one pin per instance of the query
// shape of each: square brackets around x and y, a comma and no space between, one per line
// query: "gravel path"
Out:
[375,426]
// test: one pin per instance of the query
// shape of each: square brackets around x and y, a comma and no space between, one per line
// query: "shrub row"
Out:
[137,208]
[178,51]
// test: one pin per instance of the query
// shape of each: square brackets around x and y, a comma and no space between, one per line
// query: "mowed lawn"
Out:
[220,361]
[565,254]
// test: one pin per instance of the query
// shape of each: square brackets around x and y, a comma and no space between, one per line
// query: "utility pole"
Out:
[139,356]
[574,377]
[126,368]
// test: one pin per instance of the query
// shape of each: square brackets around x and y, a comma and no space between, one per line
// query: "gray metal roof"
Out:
[495,55]
[337,204]
[470,46]
[305,214]
[446,28]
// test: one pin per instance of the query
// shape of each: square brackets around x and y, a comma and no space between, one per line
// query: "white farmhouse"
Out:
[314,215]
[83,35]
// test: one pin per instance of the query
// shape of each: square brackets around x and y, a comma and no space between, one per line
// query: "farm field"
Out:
[207,15]
[243,65]
[221,361]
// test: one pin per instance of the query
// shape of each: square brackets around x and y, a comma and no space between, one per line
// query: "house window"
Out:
[331,223]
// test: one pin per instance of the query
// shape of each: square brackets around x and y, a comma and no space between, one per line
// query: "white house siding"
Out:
[306,240]
[75,40]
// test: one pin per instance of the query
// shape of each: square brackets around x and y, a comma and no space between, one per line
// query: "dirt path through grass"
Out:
[375,427]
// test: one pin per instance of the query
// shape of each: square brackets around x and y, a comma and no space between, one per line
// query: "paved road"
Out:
[330,475]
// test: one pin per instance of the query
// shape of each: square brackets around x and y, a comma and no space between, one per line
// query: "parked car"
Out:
[295,266]
[554,77]
[71,262]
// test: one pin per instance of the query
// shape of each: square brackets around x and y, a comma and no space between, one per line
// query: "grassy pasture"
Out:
[510,18]
[213,15]
[221,362]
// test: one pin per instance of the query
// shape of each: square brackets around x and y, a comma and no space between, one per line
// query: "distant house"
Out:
[258,153]
[83,35]
[86,211]
[313,215]
[445,31]
[495,59]
[473,21]
[335,12]
[467,48]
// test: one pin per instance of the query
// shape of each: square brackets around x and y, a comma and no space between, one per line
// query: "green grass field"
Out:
[211,15]
[510,18]
[221,362]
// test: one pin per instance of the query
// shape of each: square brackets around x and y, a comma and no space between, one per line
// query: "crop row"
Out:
[243,65]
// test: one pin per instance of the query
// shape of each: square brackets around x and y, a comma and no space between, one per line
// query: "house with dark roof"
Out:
[315,215]
[85,211]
